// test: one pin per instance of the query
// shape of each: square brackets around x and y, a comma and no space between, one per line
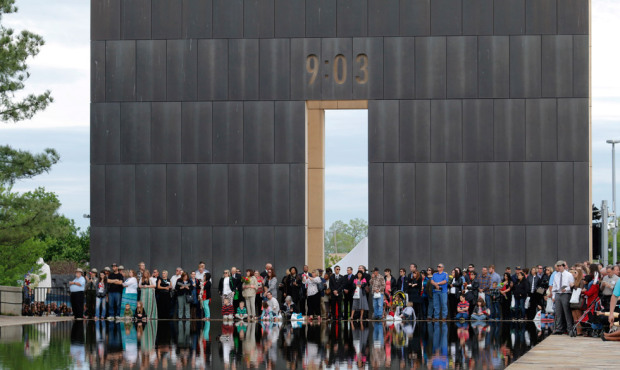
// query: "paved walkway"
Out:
[561,351]
[27,320]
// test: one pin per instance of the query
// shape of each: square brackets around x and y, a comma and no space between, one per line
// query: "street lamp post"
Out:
[613,200]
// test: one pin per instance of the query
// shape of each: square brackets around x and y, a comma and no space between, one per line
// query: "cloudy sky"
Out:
[63,67]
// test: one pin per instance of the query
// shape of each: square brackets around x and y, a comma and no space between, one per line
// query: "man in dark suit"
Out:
[267,268]
[402,283]
[348,289]
[410,279]
[535,298]
[236,278]
[336,285]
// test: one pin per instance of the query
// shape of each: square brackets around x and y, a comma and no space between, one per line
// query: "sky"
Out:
[63,66]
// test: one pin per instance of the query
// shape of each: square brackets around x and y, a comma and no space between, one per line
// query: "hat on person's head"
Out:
[79,270]
[121,267]
[560,263]
[107,269]
[518,268]
[94,271]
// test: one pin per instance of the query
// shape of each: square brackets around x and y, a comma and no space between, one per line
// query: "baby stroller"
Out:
[589,321]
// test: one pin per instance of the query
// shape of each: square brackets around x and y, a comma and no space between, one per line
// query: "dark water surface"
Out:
[213,345]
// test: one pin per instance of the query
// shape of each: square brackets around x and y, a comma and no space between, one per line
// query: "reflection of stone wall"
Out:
[10,300]
[10,334]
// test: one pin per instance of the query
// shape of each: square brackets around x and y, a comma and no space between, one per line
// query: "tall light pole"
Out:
[614,232]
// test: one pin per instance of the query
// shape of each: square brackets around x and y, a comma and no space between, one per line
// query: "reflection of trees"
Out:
[40,346]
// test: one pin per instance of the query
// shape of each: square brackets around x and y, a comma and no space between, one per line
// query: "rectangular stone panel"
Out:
[258,247]
[258,129]
[275,69]
[258,18]
[136,19]
[446,131]
[134,247]
[212,194]
[297,194]
[509,17]
[352,18]
[509,130]
[430,194]
[135,132]
[151,70]
[151,195]
[167,19]
[120,71]
[181,67]
[227,19]
[557,193]
[525,66]
[181,194]
[462,71]
[228,132]
[273,194]
[97,195]
[375,193]
[105,133]
[290,132]
[494,193]
[557,66]
[97,71]
[446,246]
[321,18]
[196,132]
[306,75]
[541,129]
[462,193]
[446,17]
[415,246]
[477,130]
[383,130]
[573,17]
[289,245]
[541,17]
[415,17]
[337,68]
[573,243]
[477,246]
[212,70]
[165,253]
[509,247]
[243,69]
[387,254]
[243,194]
[367,77]
[105,20]
[383,17]
[197,245]
[581,66]
[120,195]
[228,244]
[398,71]
[414,132]
[478,17]
[493,67]
[430,67]
[541,245]
[581,196]
[166,132]
[399,193]
[573,130]
[197,19]
[290,16]
[525,193]
[105,243]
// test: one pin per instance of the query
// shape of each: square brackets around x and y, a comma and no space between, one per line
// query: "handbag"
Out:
[513,303]
[574,298]
[376,295]
[481,296]
[527,303]
[540,291]
[549,308]
[453,290]
[189,299]
[356,295]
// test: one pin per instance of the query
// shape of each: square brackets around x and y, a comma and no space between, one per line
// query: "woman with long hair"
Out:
[184,290]
[292,286]
[454,291]
[162,295]
[205,295]
[272,282]
[360,300]
[249,292]
[579,284]
[506,295]
[415,294]
[147,295]
[314,296]
[101,294]
[521,288]
[258,299]
[130,296]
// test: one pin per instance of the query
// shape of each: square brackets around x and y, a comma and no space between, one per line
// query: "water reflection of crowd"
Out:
[186,344]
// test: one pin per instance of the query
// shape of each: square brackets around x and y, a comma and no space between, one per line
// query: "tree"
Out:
[342,237]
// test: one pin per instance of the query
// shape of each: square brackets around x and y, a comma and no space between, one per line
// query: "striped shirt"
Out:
[463,305]
[227,310]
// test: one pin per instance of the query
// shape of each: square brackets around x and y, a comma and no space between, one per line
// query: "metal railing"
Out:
[57,295]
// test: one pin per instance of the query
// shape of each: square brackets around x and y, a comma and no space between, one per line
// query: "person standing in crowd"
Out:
[226,287]
[140,272]
[414,294]
[90,292]
[258,300]
[506,295]
[360,302]
[173,292]
[535,298]
[579,283]
[440,293]
[336,285]
[249,293]
[427,301]
[201,271]
[607,285]
[272,282]
[484,286]
[131,291]
[264,273]
[235,276]
[154,277]
[348,289]
[521,289]
[205,295]
[163,295]
[455,288]
[147,295]
[390,285]
[76,287]
[311,281]
[402,283]
[183,288]
[194,307]
[102,293]
[561,293]
[377,288]
[115,290]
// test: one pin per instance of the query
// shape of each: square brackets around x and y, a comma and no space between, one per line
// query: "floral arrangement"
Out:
[246,280]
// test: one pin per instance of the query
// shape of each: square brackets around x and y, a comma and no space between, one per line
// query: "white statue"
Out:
[43,279]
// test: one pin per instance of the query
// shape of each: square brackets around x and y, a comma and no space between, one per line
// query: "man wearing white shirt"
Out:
[173,284]
[200,273]
[561,293]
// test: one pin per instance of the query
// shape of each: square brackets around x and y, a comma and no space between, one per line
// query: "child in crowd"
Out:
[140,314]
[462,308]
[391,315]
[242,312]
[481,312]
[408,313]
[227,310]
[128,314]
[266,316]
[495,296]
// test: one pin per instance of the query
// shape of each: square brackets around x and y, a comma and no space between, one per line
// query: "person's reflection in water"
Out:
[360,343]
[77,344]
[206,343]
[91,343]
[377,357]
[226,344]
[439,359]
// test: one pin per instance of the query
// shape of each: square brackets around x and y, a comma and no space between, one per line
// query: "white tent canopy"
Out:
[357,256]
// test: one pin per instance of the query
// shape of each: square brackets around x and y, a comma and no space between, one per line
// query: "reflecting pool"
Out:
[214,345]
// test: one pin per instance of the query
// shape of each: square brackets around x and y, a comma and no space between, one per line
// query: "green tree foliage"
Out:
[71,245]
[18,260]
[341,237]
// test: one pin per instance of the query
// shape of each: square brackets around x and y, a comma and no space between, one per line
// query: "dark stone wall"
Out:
[478,127]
